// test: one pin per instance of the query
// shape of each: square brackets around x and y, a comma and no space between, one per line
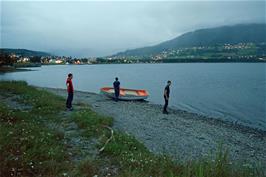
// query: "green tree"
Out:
[35,59]
[84,60]
[5,59]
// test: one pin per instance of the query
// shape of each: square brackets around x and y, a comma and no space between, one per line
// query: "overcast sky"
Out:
[102,28]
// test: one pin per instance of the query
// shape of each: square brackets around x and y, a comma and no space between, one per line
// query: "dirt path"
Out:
[181,135]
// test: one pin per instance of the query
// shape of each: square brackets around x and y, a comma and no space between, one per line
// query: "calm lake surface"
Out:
[231,91]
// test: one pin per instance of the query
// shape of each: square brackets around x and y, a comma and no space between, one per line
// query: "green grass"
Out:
[28,64]
[7,69]
[92,122]
[135,160]
[43,102]
[28,147]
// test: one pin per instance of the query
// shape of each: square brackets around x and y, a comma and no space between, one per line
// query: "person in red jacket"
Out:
[70,91]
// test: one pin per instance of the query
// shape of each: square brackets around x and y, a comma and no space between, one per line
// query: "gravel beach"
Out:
[181,135]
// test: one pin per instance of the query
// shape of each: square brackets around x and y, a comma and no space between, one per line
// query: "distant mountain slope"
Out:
[255,33]
[23,52]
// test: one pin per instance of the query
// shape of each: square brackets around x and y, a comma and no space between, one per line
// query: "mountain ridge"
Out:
[24,52]
[241,33]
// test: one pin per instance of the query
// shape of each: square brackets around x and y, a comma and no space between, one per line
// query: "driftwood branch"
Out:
[109,139]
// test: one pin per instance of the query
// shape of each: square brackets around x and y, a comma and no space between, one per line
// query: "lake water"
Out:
[231,91]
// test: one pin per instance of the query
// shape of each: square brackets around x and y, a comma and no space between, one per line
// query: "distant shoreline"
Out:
[12,69]
[19,66]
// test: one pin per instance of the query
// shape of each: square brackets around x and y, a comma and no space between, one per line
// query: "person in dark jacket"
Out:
[116,85]
[70,91]
[166,97]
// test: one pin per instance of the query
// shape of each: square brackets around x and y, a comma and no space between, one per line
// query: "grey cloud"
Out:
[103,28]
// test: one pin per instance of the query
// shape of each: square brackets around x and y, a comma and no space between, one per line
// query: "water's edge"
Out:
[201,117]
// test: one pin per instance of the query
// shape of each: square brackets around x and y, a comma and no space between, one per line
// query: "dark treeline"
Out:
[180,60]
[8,60]
[221,60]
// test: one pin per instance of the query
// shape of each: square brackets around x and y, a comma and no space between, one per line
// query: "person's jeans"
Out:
[69,100]
[165,104]
[116,95]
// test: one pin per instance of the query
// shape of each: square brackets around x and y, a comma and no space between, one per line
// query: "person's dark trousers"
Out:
[69,100]
[116,95]
[165,105]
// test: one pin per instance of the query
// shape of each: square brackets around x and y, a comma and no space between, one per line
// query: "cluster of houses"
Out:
[52,59]
[238,46]
[228,49]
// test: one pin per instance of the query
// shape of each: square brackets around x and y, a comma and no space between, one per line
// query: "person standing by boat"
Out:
[166,97]
[70,91]
[116,85]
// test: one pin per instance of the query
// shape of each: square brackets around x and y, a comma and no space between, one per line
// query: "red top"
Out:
[70,88]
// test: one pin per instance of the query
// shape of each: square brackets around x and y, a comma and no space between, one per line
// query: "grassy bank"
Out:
[5,69]
[28,64]
[30,145]
[18,67]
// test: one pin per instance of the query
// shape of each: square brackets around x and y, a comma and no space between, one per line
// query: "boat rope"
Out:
[109,139]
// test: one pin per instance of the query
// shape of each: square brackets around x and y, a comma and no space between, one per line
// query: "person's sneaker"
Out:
[165,112]
[69,109]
